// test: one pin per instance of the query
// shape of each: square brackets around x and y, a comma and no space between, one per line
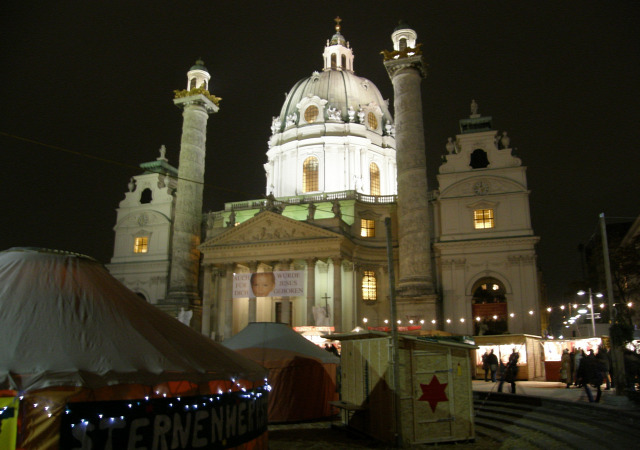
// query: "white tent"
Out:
[66,323]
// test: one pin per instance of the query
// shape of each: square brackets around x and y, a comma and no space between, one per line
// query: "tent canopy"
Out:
[65,321]
[277,336]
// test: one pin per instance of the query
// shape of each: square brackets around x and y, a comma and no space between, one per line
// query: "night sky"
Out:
[87,91]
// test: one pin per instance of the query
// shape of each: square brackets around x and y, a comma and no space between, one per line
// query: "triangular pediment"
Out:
[268,227]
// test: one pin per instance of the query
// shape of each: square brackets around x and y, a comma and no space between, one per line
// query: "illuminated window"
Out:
[369,286]
[141,245]
[311,114]
[310,174]
[483,218]
[367,228]
[374,179]
[372,120]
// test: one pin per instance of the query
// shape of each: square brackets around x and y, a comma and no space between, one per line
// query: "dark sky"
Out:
[85,83]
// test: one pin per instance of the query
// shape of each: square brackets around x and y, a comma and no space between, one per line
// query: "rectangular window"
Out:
[369,286]
[367,228]
[141,245]
[483,218]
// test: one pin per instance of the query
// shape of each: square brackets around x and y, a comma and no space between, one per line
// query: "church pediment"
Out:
[268,227]
[480,186]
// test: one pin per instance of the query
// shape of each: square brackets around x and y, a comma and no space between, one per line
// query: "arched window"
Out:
[204,84]
[310,174]
[479,159]
[192,85]
[489,307]
[369,286]
[403,44]
[344,62]
[374,179]
[334,63]
[146,196]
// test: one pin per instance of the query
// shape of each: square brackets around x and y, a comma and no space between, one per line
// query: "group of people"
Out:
[582,369]
[508,372]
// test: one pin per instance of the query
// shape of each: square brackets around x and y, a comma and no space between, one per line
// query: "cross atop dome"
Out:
[337,54]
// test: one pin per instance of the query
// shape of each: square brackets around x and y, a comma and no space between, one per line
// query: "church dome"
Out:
[341,89]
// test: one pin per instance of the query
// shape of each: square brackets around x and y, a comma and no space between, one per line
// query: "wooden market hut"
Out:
[531,361]
[434,388]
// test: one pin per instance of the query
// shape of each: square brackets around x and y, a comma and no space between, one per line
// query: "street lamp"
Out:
[593,313]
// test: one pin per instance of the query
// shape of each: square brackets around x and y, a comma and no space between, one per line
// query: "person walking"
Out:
[590,373]
[576,365]
[510,372]
[492,359]
[485,365]
[565,368]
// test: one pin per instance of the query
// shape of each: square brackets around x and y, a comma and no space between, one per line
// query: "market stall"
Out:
[434,388]
[553,353]
[531,360]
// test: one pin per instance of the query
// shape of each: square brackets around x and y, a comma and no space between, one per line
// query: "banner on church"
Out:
[269,284]
[212,421]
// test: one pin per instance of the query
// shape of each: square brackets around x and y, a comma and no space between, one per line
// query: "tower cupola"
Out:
[403,37]
[337,53]
[198,76]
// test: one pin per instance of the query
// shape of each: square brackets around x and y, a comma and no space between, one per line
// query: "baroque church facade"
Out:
[343,179]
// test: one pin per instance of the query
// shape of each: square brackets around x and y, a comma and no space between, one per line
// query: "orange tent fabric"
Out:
[302,376]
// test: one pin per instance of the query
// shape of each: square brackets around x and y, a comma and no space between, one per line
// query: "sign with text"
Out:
[212,421]
[269,284]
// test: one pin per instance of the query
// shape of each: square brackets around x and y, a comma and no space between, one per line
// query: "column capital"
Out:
[416,62]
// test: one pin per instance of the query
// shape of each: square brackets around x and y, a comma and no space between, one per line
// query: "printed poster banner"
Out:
[269,284]
[213,422]
[9,407]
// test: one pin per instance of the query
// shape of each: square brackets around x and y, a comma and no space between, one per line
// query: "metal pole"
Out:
[593,313]
[394,334]
[616,349]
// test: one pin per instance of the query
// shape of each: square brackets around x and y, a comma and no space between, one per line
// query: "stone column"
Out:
[311,289]
[207,294]
[253,302]
[185,256]
[228,302]
[337,294]
[415,277]
[285,301]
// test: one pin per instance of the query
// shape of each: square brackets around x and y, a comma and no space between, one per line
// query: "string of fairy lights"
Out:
[579,308]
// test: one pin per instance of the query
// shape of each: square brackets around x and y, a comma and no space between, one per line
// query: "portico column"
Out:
[207,299]
[253,302]
[228,302]
[311,289]
[284,301]
[337,294]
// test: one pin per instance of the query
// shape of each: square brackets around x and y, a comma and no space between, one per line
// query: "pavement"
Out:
[558,391]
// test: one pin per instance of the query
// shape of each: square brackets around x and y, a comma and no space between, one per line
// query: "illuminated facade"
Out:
[331,181]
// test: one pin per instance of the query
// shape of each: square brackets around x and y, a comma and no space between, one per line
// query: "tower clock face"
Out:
[481,188]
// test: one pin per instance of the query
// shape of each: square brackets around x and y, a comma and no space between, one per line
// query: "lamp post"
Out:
[593,314]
